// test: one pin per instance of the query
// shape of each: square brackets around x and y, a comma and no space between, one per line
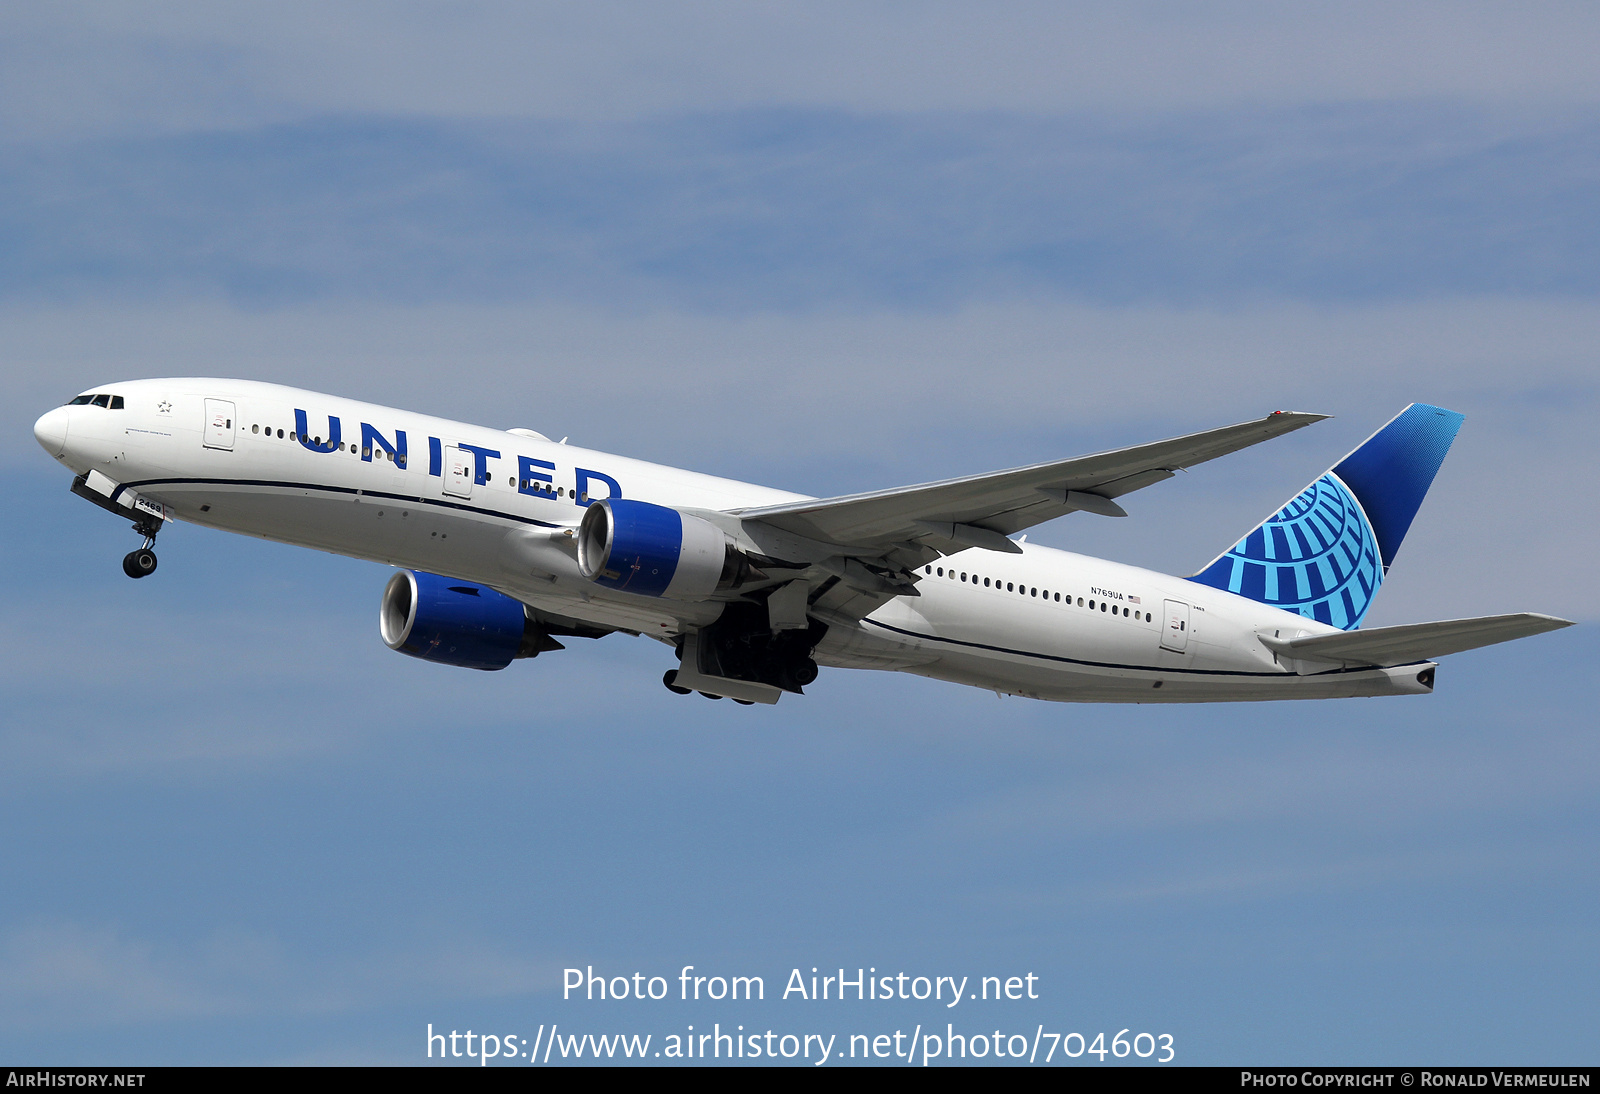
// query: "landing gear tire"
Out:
[140,563]
[670,679]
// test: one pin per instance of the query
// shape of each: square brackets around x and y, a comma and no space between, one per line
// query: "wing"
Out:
[865,549]
[982,510]
[1415,641]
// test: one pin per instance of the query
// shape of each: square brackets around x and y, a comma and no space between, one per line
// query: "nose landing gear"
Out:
[142,563]
[147,519]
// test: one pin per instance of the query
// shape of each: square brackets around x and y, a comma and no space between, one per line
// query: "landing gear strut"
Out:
[142,563]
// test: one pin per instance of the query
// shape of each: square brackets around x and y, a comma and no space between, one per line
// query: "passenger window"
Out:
[1102,605]
[1058,598]
[1033,592]
[1147,617]
[1008,587]
[1080,601]
[257,429]
[927,569]
[941,571]
[963,575]
[280,434]
[985,583]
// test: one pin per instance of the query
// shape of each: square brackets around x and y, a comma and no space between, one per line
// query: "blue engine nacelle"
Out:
[457,622]
[651,550]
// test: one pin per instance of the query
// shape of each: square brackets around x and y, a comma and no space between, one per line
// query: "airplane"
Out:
[505,541]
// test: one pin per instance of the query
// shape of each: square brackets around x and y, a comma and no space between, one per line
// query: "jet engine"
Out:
[654,550]
[457,622]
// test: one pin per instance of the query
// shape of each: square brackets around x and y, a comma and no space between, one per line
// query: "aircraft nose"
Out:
[51,431]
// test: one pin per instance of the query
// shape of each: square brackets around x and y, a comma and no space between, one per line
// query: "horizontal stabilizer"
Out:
[1414,641]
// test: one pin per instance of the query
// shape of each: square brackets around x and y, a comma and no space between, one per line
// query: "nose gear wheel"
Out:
[140,563]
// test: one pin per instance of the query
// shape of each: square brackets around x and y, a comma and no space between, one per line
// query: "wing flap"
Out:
[1411,642]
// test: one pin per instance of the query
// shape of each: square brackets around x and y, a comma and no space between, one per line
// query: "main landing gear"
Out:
[670,679]
[142,563]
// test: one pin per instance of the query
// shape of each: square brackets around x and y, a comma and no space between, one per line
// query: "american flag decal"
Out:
[1134,600]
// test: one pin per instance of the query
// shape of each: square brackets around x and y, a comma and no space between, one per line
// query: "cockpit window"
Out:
[82,400]
[116,402]
[110,402]
[100,400]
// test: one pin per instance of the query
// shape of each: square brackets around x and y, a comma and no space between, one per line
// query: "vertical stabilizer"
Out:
[1325,553]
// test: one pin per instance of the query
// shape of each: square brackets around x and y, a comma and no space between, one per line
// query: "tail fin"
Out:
[1325,553]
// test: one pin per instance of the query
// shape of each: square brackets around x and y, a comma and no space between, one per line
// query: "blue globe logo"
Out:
[1317,556]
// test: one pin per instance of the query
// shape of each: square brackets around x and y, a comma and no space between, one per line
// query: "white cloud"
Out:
[182,64]
[60,973]
[64,975]
[798,210]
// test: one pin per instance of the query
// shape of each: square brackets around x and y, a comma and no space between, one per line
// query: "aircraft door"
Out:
[458,469]
[1175,631]
[219,424]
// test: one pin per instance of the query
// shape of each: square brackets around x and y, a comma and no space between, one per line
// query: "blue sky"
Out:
[830,250]
[785,209]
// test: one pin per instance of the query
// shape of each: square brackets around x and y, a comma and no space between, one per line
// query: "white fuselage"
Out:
[1045,623]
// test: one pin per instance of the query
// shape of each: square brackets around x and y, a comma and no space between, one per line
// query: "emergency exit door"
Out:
[219,424]
[1175,632]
